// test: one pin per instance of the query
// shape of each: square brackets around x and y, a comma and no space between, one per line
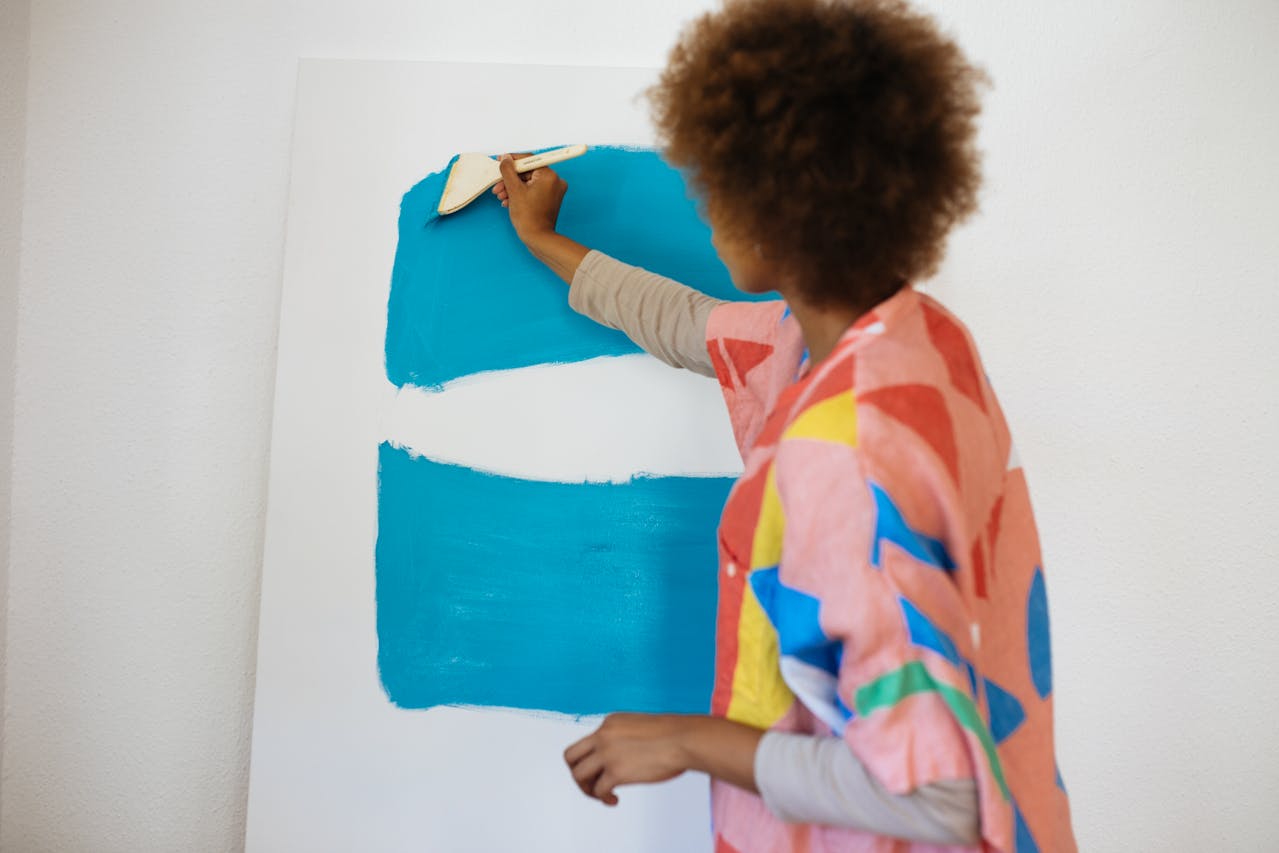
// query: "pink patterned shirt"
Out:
[880,573]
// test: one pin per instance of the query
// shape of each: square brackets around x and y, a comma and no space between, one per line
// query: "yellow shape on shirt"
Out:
[760,697]
[833,419]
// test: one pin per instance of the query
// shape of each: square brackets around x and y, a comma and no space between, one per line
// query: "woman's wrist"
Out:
[720,748]
[561,254]
[536,237]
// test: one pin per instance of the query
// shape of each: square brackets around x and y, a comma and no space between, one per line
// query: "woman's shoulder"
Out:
[756,349]
[738,322]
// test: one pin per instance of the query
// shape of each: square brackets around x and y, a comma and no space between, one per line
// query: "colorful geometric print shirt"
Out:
[880,574]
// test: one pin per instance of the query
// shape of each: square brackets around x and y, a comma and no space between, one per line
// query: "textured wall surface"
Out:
[1134,191]
[13,114]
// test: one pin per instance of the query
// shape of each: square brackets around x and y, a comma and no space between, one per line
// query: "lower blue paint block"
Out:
[578,598]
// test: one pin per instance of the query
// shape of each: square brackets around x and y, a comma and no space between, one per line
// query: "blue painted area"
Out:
[577,598]
[1024,840]
[1006,712]
[1061,783]
[925,634]
[795,616]
[891,526]
[1038,640]
[466,296]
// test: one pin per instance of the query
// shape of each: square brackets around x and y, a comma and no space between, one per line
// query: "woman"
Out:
[883,679]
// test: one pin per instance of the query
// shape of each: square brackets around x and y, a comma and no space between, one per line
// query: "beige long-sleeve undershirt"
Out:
[665,318]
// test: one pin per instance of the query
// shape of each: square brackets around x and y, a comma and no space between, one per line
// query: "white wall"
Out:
[1124,284]
[13,117]
[156,143]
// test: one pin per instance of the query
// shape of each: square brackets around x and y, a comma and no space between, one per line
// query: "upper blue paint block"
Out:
[466,296]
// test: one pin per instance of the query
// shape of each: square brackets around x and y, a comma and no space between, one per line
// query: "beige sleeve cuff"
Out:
[663,317]
[816,779]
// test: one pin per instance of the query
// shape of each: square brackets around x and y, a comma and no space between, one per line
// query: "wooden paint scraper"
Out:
[473,174]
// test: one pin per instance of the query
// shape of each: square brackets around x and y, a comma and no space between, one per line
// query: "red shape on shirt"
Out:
[780,418]
[731,591]
[736,534]
[979,568]
[985,544]
[923,409]
[722,846]
[722,370]
[949,340]
[992,529]
[746,355]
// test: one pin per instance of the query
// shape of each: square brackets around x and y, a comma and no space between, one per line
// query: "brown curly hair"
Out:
[837,135]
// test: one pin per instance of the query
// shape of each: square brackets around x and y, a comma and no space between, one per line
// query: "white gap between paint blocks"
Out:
[564,422]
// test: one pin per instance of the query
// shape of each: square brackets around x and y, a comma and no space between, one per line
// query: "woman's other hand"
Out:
[533,198]
[636,748]
[626,749]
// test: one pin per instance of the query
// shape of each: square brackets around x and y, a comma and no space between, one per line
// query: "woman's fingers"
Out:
[511,182]
[533,199]
[584,763]
[499,189]
[603,789]
[586,773]
[587,766]
[524,176]
[579,750]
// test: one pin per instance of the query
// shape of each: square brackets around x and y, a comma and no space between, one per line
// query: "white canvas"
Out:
[335,766]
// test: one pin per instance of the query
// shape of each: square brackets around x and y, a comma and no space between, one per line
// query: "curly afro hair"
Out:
[837,135]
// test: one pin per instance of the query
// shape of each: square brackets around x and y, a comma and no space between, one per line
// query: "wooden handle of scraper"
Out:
[547,158]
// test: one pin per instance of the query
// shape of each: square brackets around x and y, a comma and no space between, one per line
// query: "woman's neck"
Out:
[822,326]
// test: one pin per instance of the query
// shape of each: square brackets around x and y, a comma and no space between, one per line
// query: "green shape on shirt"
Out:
[914,677]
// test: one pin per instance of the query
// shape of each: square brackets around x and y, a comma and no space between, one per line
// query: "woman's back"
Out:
[927,570]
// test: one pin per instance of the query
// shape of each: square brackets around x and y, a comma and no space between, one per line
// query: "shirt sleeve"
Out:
[665,318]
[869,627]
[817,779]
[756,349]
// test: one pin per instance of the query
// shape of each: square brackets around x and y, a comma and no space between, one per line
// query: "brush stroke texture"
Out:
[466,296]
[576,598]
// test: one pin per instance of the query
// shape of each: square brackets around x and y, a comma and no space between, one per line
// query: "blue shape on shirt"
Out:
[972,677]
[925,634]
[1006,712]
[795,616]
[1037,637]
[891,526]
[1024,840]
